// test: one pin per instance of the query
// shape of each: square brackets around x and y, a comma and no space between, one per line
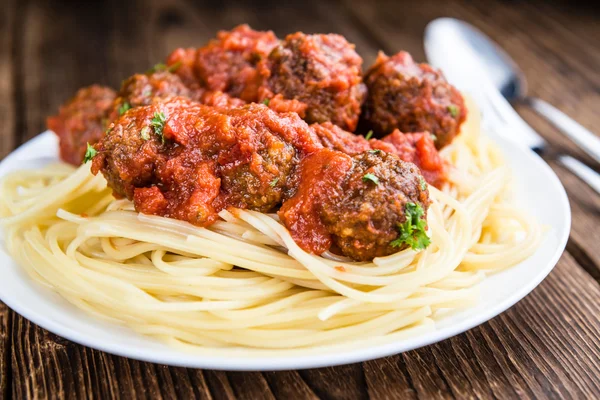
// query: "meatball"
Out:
[229,62]
[364,218]
[411,97]
[321,72]
[140,89]
[184,160]
[82,120]
[356,205]
[335,138]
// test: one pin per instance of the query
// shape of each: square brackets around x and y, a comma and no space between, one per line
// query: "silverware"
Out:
[469,63]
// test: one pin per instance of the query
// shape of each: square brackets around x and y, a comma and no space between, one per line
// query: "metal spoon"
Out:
[476,65]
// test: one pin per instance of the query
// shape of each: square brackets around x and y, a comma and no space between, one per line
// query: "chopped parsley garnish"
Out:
[90,152]
[369,135]
[162,67]
[274,182]
[145,133]
[413,230]
[124,107]
[266,102]
[433,137]
[376,151]
[371,177]
[423,183]
[158,123]
[453,110]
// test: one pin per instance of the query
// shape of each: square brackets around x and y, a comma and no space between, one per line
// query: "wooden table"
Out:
[547,346]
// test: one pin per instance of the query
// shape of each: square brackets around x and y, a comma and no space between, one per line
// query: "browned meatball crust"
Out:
[322,73]
[140,89]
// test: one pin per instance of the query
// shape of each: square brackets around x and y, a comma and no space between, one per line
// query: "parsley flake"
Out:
[266,102]
[376,151]
[413,230]
[145,133]
[433,137]
[453,109]
[369,135]
[422,183]
[371,177]
[158,123]
[274,182]
[123,108]
[90,152]
[162,67]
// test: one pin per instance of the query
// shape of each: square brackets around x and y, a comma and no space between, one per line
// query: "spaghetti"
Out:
[243,282]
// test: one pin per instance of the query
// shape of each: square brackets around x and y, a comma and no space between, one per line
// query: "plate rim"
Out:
[241,363]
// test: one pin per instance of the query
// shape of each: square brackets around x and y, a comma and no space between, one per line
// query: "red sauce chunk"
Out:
[416,148]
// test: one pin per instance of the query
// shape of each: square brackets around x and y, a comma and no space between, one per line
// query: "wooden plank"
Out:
[8,15]
[5,370]
[343,382]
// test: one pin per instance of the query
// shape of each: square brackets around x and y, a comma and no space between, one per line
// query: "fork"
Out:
[499,113]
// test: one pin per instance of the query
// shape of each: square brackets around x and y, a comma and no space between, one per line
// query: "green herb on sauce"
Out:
[158,123]
[124,107]
[266,102]
[90,152]
[413,230]
[376,151]
[162,67]
[423,183]
[274,182]
[145,133]
[369,135]
[371,177]
[174,67]
[453,109]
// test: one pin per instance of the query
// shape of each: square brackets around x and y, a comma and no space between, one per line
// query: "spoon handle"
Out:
[581,170]
[582,137]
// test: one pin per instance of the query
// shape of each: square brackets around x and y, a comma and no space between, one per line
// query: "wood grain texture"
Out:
[547,346]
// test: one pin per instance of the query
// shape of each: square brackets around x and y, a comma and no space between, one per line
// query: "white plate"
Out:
[541,193]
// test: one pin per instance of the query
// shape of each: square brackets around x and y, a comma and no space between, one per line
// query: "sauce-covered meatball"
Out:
[188,161]
[82,120]
[359,205]
[321,74]
[412,98]
[229,62]
[140,89]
